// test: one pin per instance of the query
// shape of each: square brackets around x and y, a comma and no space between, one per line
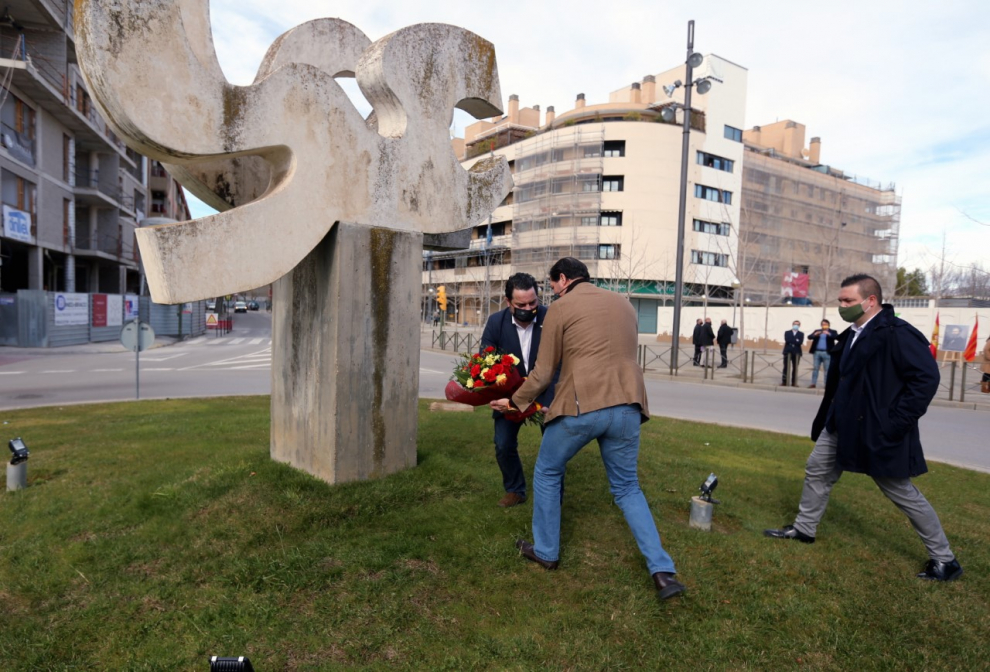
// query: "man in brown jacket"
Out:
[591,334]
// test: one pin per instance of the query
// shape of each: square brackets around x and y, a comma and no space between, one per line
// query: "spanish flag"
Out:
[934,344]
[969,354]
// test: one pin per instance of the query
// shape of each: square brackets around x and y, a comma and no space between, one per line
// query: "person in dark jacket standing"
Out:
[696,340]
[880,381]
[724,338]
[517,330]
[708,342]
[821,343]
[792,353]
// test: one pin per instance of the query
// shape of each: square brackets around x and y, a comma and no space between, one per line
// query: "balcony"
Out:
[17,144]
[91,191]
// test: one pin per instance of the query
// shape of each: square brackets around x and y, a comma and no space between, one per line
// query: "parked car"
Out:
[240,307]
[253,305]
[211,307]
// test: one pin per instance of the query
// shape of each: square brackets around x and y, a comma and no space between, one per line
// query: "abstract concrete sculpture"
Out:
[329,206]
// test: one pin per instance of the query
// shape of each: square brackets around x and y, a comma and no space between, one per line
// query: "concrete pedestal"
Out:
[345,355]
[701,514]
[16,476]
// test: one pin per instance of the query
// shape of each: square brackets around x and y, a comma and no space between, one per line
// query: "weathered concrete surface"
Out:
[345,323]
[284,160]
[289,153]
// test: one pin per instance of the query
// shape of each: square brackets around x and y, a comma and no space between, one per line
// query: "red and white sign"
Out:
[99,310]
[795,285]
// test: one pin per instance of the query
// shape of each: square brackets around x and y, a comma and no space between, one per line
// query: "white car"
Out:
[240,307]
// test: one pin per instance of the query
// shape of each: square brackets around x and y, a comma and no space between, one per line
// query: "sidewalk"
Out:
[104,347]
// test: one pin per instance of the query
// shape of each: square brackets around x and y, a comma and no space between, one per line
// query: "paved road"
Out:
[240,363]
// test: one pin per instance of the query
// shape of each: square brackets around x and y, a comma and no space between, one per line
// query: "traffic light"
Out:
[442,298]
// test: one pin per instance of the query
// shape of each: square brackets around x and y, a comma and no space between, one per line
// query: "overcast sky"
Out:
[898,91]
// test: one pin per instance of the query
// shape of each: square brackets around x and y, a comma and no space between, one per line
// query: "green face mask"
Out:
[851,313]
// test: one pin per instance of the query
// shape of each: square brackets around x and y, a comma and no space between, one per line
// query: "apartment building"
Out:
[72,192]
[806,225]
[168,200]
[601,182]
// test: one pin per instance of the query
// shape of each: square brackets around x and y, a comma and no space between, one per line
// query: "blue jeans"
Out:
[821,357]
[617,431]
[507,455]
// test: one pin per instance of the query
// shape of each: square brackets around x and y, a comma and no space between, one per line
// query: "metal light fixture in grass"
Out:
[703,507]
[17,469]
[708,487]
[230,664]
[19,450]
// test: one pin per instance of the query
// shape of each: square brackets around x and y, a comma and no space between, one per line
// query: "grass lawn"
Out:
[157,533]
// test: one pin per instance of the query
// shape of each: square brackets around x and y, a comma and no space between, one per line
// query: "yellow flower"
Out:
[469,384]
[490,360]
[515,360]
[483,372]
[501,378]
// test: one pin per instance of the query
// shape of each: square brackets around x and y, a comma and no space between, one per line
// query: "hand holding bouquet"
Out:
[487,376]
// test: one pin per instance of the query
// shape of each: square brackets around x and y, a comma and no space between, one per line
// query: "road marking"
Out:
[196,341]
[10,373]
[217,341]
[256,341]
[164,359]
[432,371]
[159,369]
[60,371]
[253,366]
[106,370]
[236,341]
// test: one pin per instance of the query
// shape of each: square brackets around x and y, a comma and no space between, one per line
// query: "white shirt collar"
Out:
[863,326]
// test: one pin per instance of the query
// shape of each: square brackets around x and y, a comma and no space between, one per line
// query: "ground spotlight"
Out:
[231,664]
[19,450]
[708,487]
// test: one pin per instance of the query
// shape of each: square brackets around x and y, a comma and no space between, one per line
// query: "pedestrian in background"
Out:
[696,339]
[708,342]
[821,341]
[985,383]
[724,338]
[792,353]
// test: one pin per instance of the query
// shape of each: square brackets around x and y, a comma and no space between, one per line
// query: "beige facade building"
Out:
[806,225]
[601,182]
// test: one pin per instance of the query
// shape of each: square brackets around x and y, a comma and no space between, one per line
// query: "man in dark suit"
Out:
[696,340]
[792,353]
[880,381]
[591,343]
[517,330]
[724,338]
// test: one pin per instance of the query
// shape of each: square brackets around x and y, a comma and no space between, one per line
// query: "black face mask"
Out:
[524,316]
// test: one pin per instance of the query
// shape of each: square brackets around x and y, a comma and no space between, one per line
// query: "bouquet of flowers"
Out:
[490,375]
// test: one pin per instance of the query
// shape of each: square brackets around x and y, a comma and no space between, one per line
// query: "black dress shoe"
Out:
[667,585]
[941,571]
[527,551]
[788,532]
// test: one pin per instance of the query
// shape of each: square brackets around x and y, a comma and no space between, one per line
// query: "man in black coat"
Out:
[879,383]
[724,338]
[516,329]
[696,340]
[708,341]
[792,353]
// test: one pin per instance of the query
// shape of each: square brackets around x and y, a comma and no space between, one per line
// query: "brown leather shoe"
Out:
[526,549]
[511,499]
[667,585]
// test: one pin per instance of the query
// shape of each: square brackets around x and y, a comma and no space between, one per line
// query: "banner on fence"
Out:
[71,309]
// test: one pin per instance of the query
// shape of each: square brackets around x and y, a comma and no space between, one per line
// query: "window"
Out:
[717,228]
[612,183]
[589,185]
[713,194]
[733,133]
[608,252]
[589,221]
[615,148]
[709,258]
[611,219]
[592,150]
[66,204]
[716,162]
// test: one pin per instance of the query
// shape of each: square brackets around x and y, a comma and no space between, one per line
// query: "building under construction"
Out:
[806,225]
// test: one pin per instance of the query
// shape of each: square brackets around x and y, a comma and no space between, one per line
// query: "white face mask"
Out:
[795,327]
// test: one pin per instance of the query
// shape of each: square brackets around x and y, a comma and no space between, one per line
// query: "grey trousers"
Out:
[822,473]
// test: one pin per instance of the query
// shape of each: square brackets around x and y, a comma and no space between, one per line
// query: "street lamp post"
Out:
[693,61]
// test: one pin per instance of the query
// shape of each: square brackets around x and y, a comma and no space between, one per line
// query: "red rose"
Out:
[475,370]
[490,376]
[507,359]
[489,349]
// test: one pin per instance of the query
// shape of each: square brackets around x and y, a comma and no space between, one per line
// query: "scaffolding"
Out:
[557,202]
[796,217]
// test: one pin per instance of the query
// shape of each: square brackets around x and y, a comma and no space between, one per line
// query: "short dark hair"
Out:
[520,281]
[827,322]
[569,267]
[866,284]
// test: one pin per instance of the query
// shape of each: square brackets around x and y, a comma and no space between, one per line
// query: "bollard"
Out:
[701,514]
[16,476]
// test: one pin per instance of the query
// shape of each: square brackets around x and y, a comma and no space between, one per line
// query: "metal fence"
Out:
[455,341]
